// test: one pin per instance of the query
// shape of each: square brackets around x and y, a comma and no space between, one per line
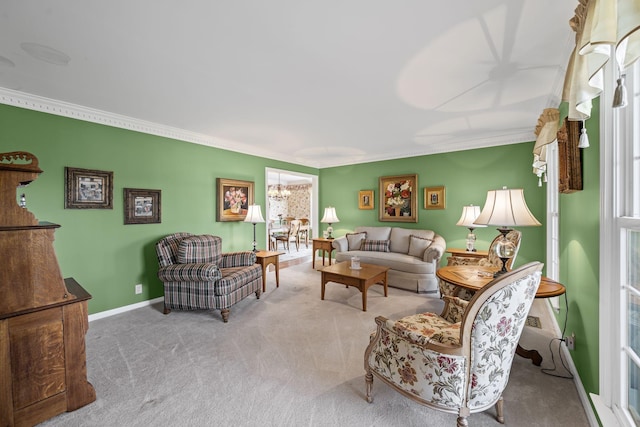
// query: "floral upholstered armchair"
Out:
[460,361]
[198,276]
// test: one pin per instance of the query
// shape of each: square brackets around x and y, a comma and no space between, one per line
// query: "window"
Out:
[620,254]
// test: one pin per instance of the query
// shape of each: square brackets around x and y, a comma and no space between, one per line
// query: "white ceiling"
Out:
[317,83]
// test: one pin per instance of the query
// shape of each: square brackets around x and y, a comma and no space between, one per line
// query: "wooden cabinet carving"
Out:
[43,318]
[569,157]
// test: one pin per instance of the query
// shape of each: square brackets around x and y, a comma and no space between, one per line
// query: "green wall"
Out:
[108,258]
[466,175]
[93,245]
[579,260]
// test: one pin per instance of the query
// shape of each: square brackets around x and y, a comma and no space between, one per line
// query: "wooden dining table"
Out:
[475,277]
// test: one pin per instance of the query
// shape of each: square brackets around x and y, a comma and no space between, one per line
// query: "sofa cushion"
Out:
[375,233]
[375,245]
[400,238]
[398,262]
[417,245]
[355,240]
[200,249]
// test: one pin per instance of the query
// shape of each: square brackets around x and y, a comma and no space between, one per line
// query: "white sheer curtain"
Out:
[546,133]
[605,29]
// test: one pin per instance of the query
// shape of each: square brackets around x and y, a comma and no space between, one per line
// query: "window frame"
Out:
[616,210]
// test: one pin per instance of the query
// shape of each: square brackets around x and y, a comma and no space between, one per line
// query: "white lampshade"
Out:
[330,216]
[469,215]
[254,215]
[506,208]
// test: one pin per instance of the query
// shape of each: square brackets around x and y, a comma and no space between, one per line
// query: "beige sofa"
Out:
[412,255]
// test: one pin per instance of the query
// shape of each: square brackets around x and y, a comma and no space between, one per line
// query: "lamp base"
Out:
[329,232]
[471,241]
[503,269]
[505,250]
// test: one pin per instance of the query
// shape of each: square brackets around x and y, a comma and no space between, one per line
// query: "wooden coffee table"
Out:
[367,275]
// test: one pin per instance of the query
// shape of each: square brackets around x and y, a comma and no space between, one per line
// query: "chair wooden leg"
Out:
[258,293]
[225,314]
[500,410]
[166,310]
[368,379]
[462,422]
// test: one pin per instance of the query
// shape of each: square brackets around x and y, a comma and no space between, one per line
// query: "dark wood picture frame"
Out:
[434,197]
[233,199]
[88,189]
[142,206]
[569,157]
[365,199]
[398,198]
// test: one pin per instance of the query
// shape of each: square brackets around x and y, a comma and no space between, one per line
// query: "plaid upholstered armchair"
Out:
[198,276]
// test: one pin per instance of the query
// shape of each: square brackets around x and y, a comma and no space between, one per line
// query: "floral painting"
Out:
[233,199]
[398,198]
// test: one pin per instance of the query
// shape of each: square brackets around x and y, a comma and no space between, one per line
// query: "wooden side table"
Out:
[463,256]
[474,277]
[325,245]
[264,258]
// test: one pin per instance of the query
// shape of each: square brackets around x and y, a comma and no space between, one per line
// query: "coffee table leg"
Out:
[322,289]
[384,282]
[364,298]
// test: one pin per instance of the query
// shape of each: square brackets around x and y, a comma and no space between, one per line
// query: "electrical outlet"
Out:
[570,341]
[138,288]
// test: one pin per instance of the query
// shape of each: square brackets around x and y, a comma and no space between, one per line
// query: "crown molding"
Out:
[87,114]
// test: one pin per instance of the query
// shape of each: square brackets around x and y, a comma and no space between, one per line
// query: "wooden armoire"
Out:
[43,317]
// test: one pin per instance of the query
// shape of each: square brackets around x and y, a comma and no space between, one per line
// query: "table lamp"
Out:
[506,208]
[469,215]
[254,216]
[330,217]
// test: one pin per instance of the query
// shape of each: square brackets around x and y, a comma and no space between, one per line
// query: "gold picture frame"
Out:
[233,199]
[365,199]
[398,198]
[434,197]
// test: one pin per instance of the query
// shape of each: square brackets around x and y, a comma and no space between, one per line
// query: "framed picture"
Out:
[365,199]
[88,189]
[234,198]
[141,206]
[398,198]
[434,197]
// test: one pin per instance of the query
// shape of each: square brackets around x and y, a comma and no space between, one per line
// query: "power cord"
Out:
[548,371]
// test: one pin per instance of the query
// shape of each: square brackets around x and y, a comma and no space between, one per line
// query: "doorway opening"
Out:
[297,199]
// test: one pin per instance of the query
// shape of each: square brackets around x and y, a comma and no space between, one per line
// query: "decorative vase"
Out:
[397,211]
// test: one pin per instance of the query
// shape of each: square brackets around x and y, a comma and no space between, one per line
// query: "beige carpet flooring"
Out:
[287,359]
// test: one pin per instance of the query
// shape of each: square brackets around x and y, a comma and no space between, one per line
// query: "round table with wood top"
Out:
[474,277]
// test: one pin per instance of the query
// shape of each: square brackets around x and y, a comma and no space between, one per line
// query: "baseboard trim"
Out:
[582,394]
[124,309]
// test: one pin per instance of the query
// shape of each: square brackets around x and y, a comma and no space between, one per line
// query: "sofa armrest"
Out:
[340,244]
[435,250]
[238,259]
[201,272]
